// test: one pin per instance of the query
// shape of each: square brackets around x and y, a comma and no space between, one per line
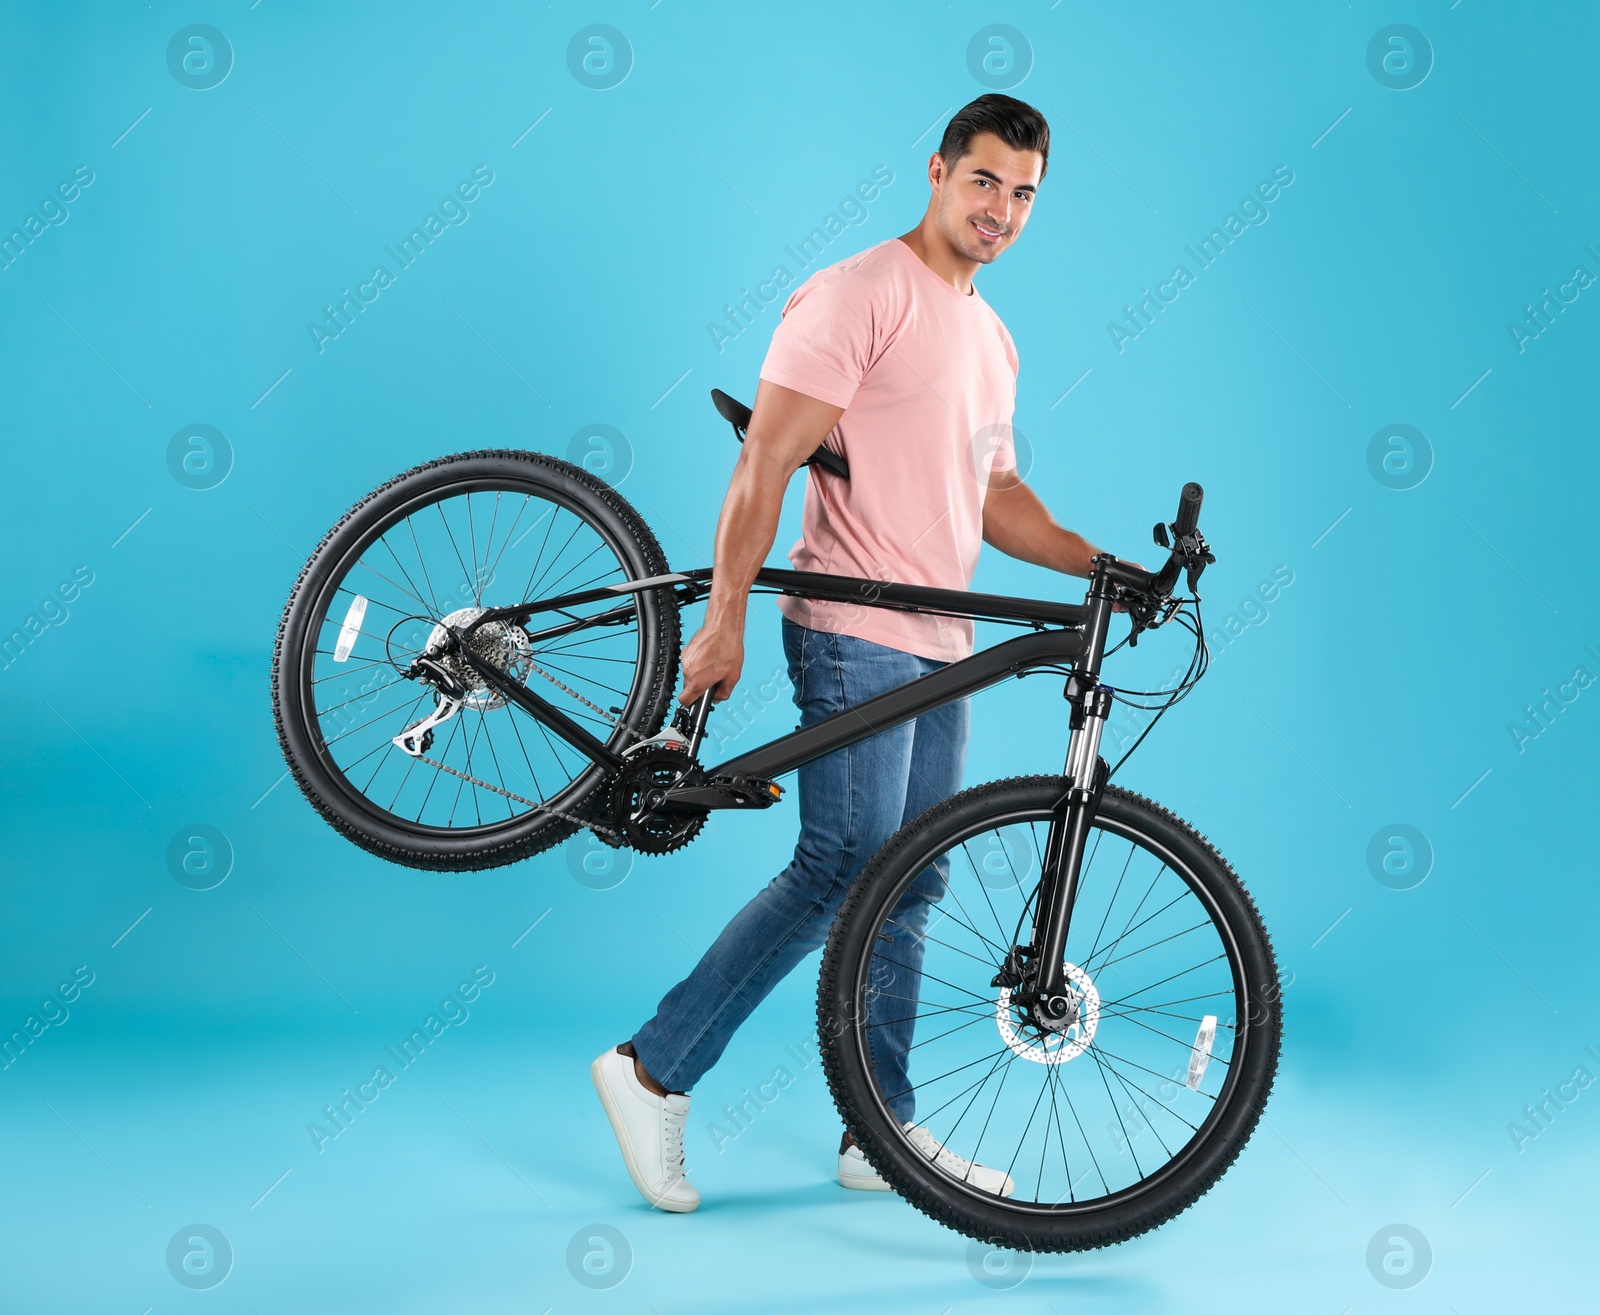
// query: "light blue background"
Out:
[1378,688]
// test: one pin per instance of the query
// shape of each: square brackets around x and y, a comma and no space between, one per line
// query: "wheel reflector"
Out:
[350,629]
[1200,1056]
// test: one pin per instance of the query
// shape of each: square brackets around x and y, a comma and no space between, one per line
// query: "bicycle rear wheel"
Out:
[1105,1130]
[435,546]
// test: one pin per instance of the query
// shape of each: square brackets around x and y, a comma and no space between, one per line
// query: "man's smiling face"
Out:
[984,198]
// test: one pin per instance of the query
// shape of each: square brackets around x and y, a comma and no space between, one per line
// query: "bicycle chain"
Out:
[598,828]
[615,721]
[614,837]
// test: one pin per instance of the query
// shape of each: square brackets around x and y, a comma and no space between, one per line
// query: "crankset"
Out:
[638,815]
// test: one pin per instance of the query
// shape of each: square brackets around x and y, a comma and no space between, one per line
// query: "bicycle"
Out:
[1092,995]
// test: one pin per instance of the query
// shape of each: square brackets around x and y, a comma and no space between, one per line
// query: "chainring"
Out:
[635,796]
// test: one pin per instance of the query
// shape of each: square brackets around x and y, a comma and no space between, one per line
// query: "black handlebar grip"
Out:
[1189,507]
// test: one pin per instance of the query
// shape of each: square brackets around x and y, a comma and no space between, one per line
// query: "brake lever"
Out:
[1142,613]
[1189,551]
[1197,555]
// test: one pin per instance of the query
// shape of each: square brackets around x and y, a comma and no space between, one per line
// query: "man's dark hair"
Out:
[1015,122]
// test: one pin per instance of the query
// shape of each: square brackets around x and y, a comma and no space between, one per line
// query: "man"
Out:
[894,359]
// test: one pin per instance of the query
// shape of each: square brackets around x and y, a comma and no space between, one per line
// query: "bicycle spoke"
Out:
[880,956]
[1000,949]
[1188,999]
[1112,903]
[1005,1071]
[1069,1117]
[1203,963]
[979,1014]
[517,731]
[1175,1040]
[957,1028]
[488,544]
[1136,908]
[421,563]
[982,1011]
[373,601]
[998,1057]
[954,949]
[347,672]
[984,890]
[1127,1141]
[445,521]
[510,543]
[387,743]
[500,775]
[1156,1100]
[455,727]
[1061,1136]
[1143,922]
[1026,1129]
[530,591]
[1109,1057]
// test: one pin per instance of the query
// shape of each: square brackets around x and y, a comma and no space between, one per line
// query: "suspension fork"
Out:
[1069,823]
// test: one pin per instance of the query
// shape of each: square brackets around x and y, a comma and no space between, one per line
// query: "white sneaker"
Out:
[649,1131]
[857,1174]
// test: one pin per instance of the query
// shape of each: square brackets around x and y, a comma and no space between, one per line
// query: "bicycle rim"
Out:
[439,557]
[1083,1122]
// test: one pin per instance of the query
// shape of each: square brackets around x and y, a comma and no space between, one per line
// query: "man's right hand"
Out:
[712,661]
[784,430]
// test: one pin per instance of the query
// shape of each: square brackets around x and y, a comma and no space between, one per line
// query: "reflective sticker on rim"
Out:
[350,629]
[1200,1055]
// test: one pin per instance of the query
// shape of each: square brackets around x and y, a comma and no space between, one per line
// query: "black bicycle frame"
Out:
[1065,634]
[1059,640]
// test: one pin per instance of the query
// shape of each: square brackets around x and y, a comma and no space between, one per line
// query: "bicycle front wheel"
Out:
[434,548]
[1090,1135]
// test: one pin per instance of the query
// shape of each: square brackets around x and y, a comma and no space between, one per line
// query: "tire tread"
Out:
[516,848]
[1002,1227]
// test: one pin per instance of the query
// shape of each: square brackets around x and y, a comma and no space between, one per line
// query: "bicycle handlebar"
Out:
[1189,508]
[1188,550]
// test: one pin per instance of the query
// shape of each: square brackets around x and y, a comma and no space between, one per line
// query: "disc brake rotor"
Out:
[1024,1038]
[502,644]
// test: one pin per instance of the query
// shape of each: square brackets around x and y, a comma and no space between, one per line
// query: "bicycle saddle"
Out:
[737,414]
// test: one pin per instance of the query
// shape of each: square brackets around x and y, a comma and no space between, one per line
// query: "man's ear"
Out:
[935,169]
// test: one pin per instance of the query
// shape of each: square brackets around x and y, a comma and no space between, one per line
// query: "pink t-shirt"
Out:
[927,377]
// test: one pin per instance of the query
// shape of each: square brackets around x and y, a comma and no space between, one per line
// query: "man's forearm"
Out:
[745,532]
[1021,526]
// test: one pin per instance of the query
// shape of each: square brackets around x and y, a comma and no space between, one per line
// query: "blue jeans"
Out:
[851,802]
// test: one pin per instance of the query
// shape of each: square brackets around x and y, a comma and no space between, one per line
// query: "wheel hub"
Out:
[502,644]
[1037,1035]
